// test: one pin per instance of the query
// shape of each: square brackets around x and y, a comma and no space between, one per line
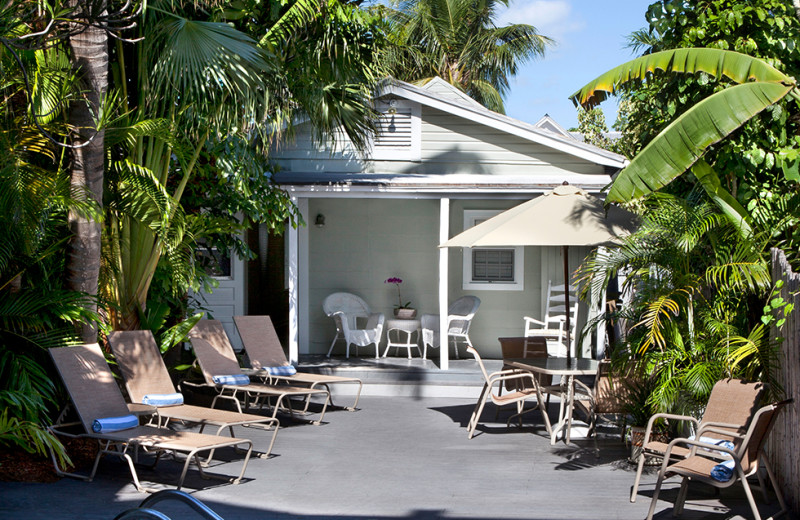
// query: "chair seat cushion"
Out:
[281,370]
[233,379]
[163,399]
[114,424]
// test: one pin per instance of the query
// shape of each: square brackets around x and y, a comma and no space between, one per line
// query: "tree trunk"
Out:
[90,59]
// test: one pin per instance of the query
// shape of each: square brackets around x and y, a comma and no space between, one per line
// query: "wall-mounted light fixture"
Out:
[392,107]
[320,220]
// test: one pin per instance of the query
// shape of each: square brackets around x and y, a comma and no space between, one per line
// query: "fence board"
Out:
[784,445]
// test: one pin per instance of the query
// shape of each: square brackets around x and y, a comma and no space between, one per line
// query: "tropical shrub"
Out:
[689,275]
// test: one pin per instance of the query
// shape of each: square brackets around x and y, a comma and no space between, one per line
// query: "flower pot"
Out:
[637,439]
[405,314]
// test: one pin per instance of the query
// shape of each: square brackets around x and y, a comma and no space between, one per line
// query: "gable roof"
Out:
[438,86]
[550,124]
[436,96]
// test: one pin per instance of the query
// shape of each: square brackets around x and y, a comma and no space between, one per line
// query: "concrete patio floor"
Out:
[397,457]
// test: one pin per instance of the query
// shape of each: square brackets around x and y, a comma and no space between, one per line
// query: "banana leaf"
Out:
[685,140]
[735,66]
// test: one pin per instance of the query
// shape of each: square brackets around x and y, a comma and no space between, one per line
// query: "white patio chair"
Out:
[369,335]
[459,318]
[553,326]
[353,308]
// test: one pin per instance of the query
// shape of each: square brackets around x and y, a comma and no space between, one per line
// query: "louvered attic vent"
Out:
[394,131]
[399,132]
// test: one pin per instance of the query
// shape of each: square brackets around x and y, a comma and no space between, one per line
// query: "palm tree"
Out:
[90,61]
[200,94]
[458,41]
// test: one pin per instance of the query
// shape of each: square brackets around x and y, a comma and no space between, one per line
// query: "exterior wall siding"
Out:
[364,242]
[449,145]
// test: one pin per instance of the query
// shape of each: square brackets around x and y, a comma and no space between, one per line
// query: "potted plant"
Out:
[403,311]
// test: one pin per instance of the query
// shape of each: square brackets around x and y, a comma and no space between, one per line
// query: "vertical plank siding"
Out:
[784,446]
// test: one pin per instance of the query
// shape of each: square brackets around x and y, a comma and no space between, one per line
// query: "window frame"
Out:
[471,217]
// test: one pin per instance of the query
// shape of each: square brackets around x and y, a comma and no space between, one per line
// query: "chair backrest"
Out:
[523,347]
[89,382]
[612,388]
[460,314]
[347,303]
[733,401]
[260,341]
[213,350]
[477,357]
[555,308]
[757,435]
[429,324]
[140,363]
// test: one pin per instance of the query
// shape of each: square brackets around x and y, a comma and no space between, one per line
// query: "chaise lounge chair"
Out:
[147,381]
[221,370]
[97,400]
[268,360]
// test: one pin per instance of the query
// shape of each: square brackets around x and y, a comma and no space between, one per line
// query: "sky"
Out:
[590,40]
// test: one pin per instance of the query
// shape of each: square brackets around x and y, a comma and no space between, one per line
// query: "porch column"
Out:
[296,336]
[444,232]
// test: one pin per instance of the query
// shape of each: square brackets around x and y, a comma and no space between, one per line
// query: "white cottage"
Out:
[441,163]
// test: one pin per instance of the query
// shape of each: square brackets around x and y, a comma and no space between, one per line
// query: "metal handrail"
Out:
[145,511]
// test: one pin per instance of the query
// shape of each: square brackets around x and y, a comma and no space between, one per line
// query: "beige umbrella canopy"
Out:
[566,216]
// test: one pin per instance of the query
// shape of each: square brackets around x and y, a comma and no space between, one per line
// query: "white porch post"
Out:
[296,303]
[444,232]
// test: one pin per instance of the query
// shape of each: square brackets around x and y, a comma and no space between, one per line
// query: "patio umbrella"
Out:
[566,216]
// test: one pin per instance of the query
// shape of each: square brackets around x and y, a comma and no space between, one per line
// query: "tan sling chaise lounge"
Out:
[219,366]
[146,378]
[97,399]
[264,351]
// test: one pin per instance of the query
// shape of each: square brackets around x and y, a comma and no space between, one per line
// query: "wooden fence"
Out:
[784,446]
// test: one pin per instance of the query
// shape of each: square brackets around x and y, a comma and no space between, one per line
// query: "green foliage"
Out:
[592,126]
[35,195]
[458,41]
[757,159]
[690,274]
[200,103]
[688,136]
[31,437]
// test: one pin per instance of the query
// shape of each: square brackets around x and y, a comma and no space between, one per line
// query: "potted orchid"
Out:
[401,310]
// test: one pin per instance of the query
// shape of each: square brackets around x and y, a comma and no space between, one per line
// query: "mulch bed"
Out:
[16,465]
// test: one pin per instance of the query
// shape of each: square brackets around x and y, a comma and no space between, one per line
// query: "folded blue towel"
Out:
[719,442]
[281,370]
[114,424]
[163,399]
[235,379]
[724,471]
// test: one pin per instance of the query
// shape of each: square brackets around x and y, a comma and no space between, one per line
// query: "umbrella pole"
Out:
[565,251]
